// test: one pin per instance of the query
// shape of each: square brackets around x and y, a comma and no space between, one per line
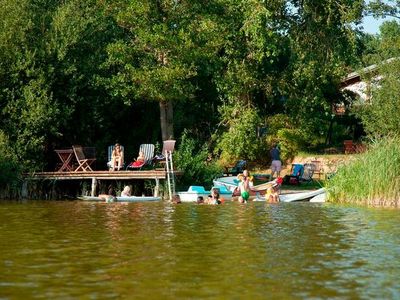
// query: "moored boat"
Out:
[311,196]
[120,198]
[195,191]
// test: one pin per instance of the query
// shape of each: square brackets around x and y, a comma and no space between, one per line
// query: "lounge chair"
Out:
[238,168]
[309,170]
[148,151]
[168,147]
[84,163]
[295,175]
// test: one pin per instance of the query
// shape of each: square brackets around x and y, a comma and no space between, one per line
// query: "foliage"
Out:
[379,8]
[377,48]
[282,130]
[372,178]
[8,163]
[192,158]
[381,116]
[47,74]
[92,72]
[240,141]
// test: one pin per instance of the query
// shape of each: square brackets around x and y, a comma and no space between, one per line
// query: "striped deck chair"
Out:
[148,151]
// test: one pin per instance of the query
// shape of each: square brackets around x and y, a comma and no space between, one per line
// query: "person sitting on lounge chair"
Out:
[140,160]
[117,158]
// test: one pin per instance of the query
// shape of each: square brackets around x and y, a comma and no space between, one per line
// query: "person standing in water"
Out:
[245,183]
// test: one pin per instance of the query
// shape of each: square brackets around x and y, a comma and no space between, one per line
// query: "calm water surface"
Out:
[78,250]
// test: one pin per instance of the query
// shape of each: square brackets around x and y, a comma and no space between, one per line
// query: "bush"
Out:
[191,158]
[10,169]
[240,140]
[283,131]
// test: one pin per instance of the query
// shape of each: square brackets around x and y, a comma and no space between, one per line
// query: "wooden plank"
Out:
[115,175]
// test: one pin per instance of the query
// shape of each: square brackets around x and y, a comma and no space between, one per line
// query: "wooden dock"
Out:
[94,176]
[121,175]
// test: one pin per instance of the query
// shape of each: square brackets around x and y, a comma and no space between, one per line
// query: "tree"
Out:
[49,61]
[387,8]
[156,59]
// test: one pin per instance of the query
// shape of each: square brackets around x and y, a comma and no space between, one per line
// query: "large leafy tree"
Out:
[322,45]
[157,59]
[50,52]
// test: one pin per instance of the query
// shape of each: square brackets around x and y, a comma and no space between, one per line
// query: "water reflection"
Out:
[158,250]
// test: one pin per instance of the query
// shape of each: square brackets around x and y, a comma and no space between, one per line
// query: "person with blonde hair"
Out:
[126,192]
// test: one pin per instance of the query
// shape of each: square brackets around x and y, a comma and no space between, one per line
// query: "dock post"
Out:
[24,190]
[157,188]
[94,185]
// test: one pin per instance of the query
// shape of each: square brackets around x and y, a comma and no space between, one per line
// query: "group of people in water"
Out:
[245,186]
[245,180]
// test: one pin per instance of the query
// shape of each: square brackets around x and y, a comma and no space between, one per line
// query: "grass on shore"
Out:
[371,178]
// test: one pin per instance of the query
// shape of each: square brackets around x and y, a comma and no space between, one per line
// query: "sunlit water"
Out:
[78,250]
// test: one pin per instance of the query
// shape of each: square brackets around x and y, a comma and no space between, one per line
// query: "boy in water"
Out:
[244,186]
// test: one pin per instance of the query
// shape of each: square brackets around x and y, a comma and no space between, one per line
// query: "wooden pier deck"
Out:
[94,176]
[121,175]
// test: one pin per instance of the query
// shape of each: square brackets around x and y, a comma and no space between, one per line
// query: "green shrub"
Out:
[10,169]
[283,131]
[240,140]
[192,159]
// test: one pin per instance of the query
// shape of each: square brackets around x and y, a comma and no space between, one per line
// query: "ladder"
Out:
[170,174]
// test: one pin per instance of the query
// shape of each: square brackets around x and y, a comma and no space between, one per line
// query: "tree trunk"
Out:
[170,120]
[166,120]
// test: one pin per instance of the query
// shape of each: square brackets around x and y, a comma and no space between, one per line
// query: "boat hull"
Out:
[311,196]
[120,199]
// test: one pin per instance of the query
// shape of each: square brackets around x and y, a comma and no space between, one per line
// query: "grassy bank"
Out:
[372,178]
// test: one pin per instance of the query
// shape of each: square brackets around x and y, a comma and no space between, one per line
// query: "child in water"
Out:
[245,184]
[213,199]
[272,194]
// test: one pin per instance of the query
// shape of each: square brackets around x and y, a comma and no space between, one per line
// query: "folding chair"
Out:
[84,163]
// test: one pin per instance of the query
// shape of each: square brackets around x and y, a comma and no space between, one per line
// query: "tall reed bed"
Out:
[372,178]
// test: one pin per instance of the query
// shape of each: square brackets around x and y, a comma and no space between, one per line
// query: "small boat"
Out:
[311,196]
[231,183]
[120,198]
[196,191]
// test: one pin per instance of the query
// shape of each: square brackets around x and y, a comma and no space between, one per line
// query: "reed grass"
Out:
[372,178]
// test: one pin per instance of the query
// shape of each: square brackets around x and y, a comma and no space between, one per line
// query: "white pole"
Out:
[168,176]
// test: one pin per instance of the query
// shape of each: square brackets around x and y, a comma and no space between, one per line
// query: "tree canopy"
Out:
[97,72]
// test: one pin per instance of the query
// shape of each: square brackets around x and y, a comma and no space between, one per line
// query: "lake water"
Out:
[78,250]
